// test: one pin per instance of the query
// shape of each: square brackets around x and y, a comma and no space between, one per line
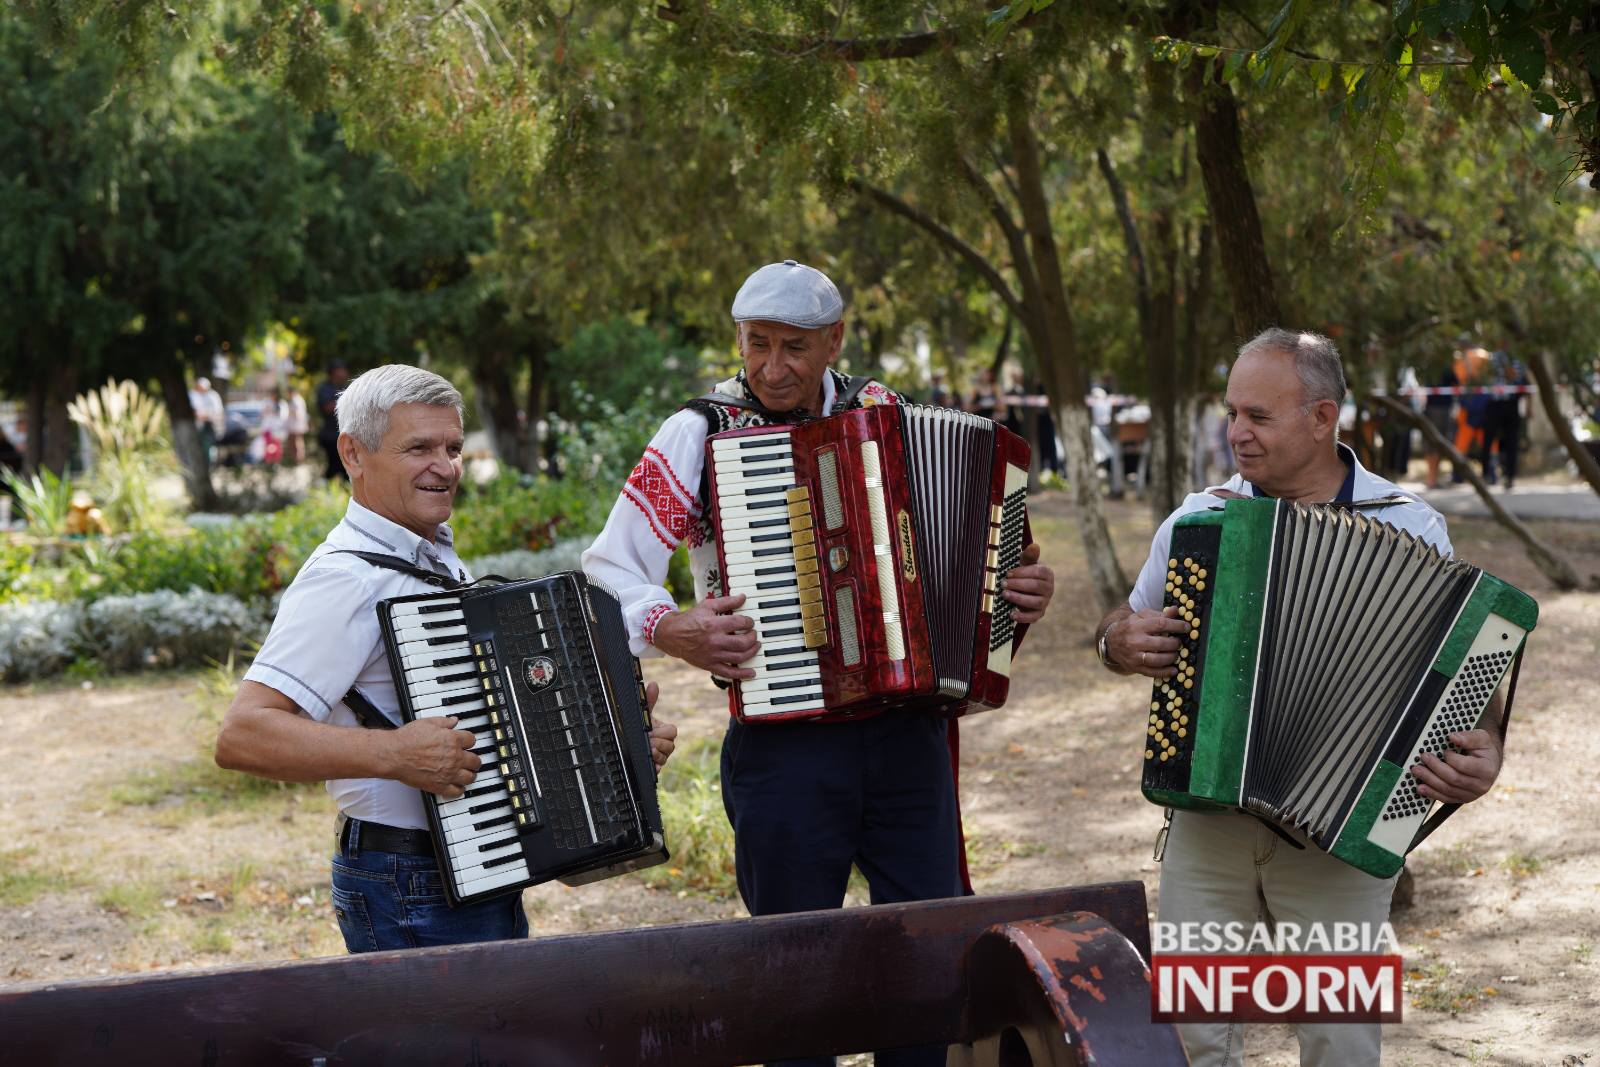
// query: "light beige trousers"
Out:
[1231,868]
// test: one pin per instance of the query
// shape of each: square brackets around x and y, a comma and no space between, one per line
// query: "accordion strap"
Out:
[1447,810]
[365,711]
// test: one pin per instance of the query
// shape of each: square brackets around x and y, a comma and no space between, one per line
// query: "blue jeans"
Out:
[385,900]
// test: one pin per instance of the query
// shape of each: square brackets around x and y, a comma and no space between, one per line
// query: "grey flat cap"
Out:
[791,293]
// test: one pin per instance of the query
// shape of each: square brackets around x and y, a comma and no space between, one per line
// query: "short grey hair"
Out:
[1316,360]
[363,408]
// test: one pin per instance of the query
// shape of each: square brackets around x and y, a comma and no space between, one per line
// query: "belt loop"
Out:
[350,835]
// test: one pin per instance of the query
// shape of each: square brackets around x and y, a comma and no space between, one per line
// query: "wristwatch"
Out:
[1100,647]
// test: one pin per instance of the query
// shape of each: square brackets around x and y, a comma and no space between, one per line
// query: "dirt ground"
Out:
[125,851]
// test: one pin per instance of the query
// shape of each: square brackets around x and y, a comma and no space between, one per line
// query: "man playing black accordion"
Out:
[322,674]
[806,799]
[1283,399]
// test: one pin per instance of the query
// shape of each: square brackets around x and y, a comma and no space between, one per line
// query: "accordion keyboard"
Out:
[765,523]
[1170,743]
[445,674]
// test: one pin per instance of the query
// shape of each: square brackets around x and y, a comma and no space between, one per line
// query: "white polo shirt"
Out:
[1413,516]
[325,639]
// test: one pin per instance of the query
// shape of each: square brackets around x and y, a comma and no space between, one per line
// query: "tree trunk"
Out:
[1550,401]
[1241,246]
[1055,348]
[186,443]
[497,406]
[1553,566]
[541,411]
[33,447]
[60,433]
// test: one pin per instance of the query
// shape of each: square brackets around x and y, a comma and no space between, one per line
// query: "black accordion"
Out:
[539,671]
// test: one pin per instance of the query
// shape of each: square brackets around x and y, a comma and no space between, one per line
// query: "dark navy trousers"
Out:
[807,800]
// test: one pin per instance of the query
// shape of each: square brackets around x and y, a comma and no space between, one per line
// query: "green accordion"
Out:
[1326,652]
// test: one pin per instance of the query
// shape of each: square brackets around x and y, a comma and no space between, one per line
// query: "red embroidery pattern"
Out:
[658,493]
[654,616]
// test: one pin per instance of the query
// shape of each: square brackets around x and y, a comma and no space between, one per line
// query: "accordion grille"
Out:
[844,602]
[828,483]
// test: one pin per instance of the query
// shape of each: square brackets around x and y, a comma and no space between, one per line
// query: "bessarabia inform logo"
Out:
[1282,972]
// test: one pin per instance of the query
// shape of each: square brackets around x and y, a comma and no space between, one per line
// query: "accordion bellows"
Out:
[1326,652]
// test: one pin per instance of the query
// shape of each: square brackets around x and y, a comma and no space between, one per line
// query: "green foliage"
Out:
[522,512]
[698,834]
[128,432]
[45,499]
[628,365]
[21,881]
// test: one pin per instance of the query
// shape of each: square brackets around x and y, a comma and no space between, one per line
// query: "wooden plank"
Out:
[739,991]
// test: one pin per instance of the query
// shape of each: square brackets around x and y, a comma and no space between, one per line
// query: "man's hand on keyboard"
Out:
[707,638]
[432,755]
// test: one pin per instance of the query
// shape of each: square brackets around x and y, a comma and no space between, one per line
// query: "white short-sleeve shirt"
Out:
[325,639]
[1411,515]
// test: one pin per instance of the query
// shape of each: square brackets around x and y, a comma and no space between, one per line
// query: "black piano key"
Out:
[767,472]
[499,861]
[501,821]
[774,570]
[782,550]
[798,650]
[480,808]
[759,442]
[775,584]
[780,536]
[463,698]
[794,683]
[767,635]
[754,504]
[793,602]
[782,520]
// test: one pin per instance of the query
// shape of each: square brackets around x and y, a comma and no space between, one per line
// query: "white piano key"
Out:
[425,657]
[419,685]
[424,607]
[789,682]
[430,625]
[482,880]
[769,569]
[480,850]
[777,455]
[472,826]
[733,446]
[431,705]
[755,711]
[495,786]
[417,636]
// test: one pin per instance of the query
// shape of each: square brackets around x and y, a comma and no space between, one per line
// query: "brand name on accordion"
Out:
[908,563]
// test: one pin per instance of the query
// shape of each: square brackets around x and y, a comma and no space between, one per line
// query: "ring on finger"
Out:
[1144,659]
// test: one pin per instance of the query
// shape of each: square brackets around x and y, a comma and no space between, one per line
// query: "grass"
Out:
[701,841]
[1522,864]
[1439,987]
[133,900]
[197,786]
[20,883]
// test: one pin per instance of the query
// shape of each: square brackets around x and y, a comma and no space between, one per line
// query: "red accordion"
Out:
[869,547]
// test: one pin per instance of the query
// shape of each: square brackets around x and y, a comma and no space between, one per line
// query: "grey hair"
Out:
[1316,360]
[363,407]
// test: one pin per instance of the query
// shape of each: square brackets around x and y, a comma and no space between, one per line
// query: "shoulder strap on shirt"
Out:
[365,711]
[852,389]
[395,563]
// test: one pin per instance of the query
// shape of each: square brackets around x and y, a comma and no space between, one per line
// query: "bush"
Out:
[166,628]
[518,512]
[38,639]
[697,827]
[562,556]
